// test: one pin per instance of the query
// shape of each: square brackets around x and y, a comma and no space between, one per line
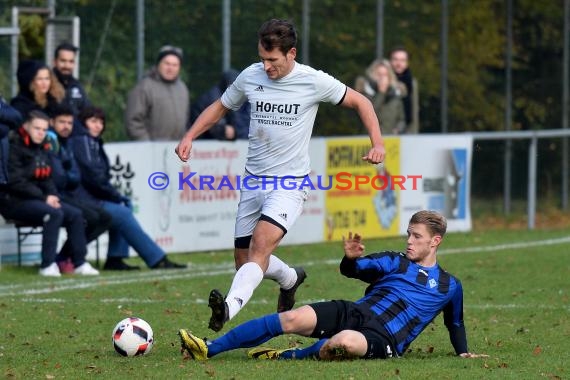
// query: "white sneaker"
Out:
[86,269]
[50,271]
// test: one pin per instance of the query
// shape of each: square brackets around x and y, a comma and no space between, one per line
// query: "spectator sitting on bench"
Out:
[125,230]
[67,178]
[32,197]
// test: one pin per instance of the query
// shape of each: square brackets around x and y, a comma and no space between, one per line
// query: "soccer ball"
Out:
[132,336]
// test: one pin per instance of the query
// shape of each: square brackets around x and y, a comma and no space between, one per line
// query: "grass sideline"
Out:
[516,310]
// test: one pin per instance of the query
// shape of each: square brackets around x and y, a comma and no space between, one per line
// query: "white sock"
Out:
[247,278]
[280,272]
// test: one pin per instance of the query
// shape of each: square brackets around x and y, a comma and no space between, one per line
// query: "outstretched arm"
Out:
[453,320]
[365,111]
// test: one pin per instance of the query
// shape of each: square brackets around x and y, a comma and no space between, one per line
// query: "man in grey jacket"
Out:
[158,106]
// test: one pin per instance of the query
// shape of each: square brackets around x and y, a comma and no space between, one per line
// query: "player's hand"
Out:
[376,155]
[353,247]
[469,355]
[184,148]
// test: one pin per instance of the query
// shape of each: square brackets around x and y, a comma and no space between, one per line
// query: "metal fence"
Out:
[339,37]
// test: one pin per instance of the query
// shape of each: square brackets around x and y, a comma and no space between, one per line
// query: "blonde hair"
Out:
[373,67]
[435,223]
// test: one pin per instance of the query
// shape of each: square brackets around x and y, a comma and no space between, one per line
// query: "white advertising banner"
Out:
[184,206]
[444,162]
[192,206]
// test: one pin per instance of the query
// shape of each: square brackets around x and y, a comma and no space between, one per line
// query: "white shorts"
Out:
[283,206]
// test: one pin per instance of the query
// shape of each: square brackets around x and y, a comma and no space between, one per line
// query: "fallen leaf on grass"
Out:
[537,351]
[186,355]
[210,370]
[551,376]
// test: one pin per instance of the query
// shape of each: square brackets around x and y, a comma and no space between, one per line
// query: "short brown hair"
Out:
[433,220]
[398,48]
[279,34]
[36,114]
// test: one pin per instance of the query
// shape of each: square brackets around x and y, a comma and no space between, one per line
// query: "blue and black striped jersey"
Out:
[406,297]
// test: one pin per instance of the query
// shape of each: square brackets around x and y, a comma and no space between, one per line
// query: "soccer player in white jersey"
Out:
[284,96]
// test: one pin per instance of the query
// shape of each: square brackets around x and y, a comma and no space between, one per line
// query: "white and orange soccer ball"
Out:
[133,336]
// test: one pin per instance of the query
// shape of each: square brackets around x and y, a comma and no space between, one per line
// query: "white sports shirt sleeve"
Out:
[283,112]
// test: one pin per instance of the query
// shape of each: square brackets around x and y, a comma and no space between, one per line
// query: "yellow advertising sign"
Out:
[364,198]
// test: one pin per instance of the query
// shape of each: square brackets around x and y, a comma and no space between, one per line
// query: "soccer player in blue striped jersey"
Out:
[406,292]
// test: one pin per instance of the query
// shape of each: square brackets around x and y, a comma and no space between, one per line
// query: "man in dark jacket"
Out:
[33,198]
[399,59]
[64,61]
[235,124]
[67,178]
[10,119]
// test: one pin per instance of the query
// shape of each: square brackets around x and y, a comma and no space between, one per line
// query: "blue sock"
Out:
[304,353]
[249,334]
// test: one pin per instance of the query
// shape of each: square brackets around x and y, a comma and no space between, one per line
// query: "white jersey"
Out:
[283,112]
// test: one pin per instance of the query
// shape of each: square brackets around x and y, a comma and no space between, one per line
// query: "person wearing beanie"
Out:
[39,88]
[158,106]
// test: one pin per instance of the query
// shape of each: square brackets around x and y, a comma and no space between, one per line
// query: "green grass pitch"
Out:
[517,310]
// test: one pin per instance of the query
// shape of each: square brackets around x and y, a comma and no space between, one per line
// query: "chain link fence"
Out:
[342,40]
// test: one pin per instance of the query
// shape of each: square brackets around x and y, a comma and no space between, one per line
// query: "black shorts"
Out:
[335,316]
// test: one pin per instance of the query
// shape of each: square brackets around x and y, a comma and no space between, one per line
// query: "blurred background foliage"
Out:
[342,43]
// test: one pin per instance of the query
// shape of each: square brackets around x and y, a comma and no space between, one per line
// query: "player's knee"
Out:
[265,238]
[289,321]
[300,321]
